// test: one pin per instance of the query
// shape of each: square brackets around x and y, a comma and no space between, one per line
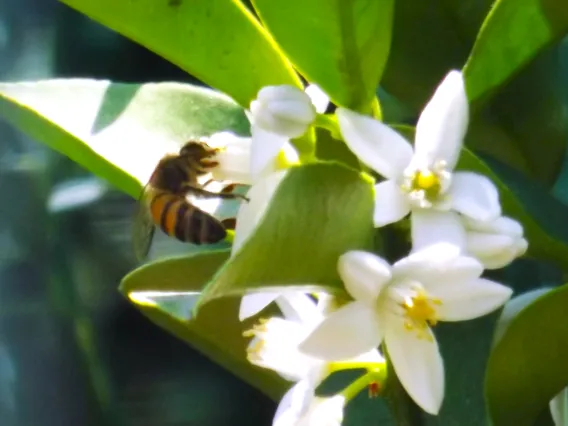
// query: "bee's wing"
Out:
[143,227]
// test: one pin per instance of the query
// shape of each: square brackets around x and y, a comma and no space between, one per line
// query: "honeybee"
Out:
[164,200]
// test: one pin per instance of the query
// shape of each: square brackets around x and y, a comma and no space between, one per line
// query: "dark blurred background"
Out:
[72,349]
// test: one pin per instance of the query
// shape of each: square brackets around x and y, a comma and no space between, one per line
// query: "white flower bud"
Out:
[495,243]
[283,110]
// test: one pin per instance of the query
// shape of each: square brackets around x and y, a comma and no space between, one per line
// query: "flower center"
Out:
[420,313]
[425,186]
[257,344]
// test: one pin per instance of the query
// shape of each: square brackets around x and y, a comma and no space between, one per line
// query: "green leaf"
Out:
[318,212]
[531,120]
[528,367]
[117,131]
[527,117]
[342,46]
[217,41]
[330,149]
[504,46]
[166,292]
[543,216]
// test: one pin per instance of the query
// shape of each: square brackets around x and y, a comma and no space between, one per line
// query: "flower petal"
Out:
[391,204]
[467,300]
[431,226]
[294,404]
[417,363]
[440,263]
[250,213]
[274,345]
[252,304]
[264,149]
[502,225]
[443,123]
[364,275]
[475,196]
[493,250]
[233,158]
[298,306]
[325,412]
[375,143]
[346,333]
[319,98]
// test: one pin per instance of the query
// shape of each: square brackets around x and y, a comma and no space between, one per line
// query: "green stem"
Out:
[354,365]
[329,123]
[306,146]
[357,386]
[376,111]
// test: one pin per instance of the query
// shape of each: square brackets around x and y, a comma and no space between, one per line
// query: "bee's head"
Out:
[196,149]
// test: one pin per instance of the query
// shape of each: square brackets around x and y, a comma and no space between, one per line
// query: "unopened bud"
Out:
[283,110]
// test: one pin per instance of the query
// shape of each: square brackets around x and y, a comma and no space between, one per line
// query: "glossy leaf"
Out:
[527,117]
[341,46]
[329,148]
[166,292]
[528,367]
[543,216]
[318,212]
[217,41]
[117,131]
[504,45]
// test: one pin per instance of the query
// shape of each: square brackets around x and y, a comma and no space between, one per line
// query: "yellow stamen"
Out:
[420,312]
[256,328]
[427,181]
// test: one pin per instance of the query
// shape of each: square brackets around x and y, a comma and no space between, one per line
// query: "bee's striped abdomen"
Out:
[164,207]
[180,219]
[199,227]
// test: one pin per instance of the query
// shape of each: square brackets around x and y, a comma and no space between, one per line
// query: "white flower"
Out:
[234,157]
[275,341]
[275,346]
[423,179]
[496,243]
[320,412]
[278,114]
[399,304]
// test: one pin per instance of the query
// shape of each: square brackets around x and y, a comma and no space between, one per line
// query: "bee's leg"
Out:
[204,192]
[210,181]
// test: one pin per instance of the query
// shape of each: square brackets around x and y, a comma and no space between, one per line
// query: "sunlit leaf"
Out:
[318,212]
[342,46]
[166,292]
[528,367]
[217,41]
[117,131]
